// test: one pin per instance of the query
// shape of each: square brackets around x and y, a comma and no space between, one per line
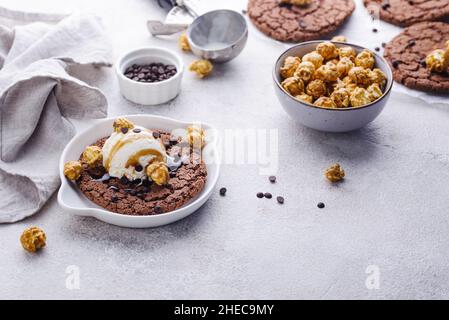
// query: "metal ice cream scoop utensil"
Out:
[216,35]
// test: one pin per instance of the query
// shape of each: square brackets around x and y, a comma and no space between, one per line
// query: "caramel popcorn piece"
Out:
[316,89]
[305,71]
[315,58]
[184,42]
[327,50]
[347,52]
[201,67]
[377,76]
[341,97]
[93,156]
[375,91]
[33,239]
[327,73]
[339,39]
[325,102]
[344,66]
[360,76]
[73,170]
[437,61]
[196,137]
[365,59]
[293,85]
[334,173]
[122,125]
[158,172]
[305,98]
[360,97]
[290,66]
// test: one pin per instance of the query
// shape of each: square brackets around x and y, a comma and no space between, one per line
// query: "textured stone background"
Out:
[391,212]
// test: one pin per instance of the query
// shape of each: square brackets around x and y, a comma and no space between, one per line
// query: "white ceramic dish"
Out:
[330,120]
[155,92]
[74,202]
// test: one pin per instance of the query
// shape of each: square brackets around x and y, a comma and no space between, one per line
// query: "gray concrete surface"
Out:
[390,213]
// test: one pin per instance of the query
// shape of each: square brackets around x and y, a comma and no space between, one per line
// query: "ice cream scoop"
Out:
[127,153]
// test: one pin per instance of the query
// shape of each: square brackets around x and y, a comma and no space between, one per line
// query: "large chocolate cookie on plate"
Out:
[407,12]
[293,23]
[406,54]
[143,197]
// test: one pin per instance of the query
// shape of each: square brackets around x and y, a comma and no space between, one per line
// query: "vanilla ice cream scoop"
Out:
[127,153]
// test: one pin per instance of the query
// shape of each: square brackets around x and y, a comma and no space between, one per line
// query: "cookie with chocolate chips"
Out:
[187,178]
[286,22]
[407,12]
[407,52]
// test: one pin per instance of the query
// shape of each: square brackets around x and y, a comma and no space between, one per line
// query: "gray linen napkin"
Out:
[37,94]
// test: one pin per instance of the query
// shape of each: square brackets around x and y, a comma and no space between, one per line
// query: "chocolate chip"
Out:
[268,195]
[377,49]
[424,63]
[172,174]
[136,130]
[375,30]
[259,195]
[384,44]
[223,191]
[280,200]
[320,205]
[147,183]
[395,64]
[157,209]
[244,11]
[272,179]
[124,180]
[173,141]
[124,130]
[114,199]
[138,168]
[156,135]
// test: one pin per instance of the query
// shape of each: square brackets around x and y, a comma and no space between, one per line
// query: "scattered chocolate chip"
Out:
[138,168]
[424,63]
[114,199]
[136,130]
[272,179]
[268,195]
[280,199]
[320,205]
[259,195]
[153,72]
[223,191]
[377,49]
[384,44]
[395,64]
[375,30]
[124,130]
[244,11]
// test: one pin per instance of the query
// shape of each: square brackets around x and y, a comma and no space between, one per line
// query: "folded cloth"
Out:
[37,94]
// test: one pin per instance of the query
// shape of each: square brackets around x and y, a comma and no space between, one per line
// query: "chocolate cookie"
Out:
[406,54]
[293,23]
[406,12]
[143,197]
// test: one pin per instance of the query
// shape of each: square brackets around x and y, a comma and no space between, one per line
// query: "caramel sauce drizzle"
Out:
[133,160]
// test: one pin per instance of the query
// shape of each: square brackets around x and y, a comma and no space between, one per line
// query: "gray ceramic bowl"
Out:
[330,120]
[218,35]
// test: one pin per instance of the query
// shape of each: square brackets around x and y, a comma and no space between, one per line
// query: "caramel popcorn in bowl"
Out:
[334,77]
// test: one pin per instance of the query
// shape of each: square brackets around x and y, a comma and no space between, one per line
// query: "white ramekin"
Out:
[149,93]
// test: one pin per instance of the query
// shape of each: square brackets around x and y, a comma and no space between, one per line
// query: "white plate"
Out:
[73,201]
